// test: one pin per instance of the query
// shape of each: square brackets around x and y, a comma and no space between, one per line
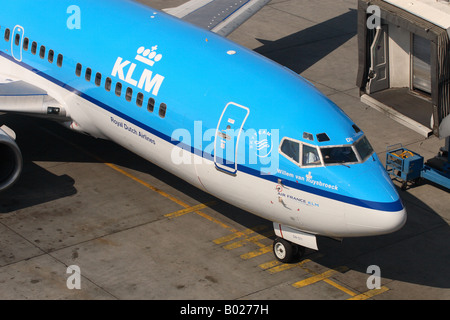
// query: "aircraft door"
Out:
[227,136]
[17,42]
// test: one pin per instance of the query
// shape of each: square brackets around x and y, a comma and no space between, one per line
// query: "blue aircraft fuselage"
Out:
[150,79]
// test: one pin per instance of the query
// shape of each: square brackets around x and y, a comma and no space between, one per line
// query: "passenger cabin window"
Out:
[26,43]
[78,69]
[98,79]
[129,94]
[34,47]
[59,62]
[151,104]
[7,34]
[291,149]
[118,89]
[17,39]
[88,74]
[140,99]
[51,55]
[108,82]
[162,110]
[42,52]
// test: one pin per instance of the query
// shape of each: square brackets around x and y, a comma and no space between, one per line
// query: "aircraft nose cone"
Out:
[389,222]
[389,215]
[371,221]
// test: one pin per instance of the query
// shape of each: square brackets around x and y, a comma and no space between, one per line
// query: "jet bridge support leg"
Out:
[290,243]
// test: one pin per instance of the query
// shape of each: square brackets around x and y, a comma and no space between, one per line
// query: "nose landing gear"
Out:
[291,243]
[286,251]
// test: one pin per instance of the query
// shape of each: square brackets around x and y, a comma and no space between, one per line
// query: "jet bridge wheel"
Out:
[286,251]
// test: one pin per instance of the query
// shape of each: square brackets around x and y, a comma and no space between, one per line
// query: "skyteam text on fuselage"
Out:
[214,113]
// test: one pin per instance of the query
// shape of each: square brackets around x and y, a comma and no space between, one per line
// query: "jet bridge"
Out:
[404,72]
[404,61]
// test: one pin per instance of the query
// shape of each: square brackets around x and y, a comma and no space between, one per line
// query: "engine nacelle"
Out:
[11,161]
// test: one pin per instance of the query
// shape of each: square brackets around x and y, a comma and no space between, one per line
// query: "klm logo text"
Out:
[126,71]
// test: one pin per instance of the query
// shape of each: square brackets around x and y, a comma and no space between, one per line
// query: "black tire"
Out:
[283,250]
[300,251]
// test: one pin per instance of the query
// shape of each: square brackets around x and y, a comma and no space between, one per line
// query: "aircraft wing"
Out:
[18,96]
[219,16]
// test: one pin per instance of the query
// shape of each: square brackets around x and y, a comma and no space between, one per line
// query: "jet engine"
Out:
[10,158]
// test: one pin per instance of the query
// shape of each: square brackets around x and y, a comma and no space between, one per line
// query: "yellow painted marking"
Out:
[170,197]
[270,264]
[263,236]
[240,243]
[234,245]
[369,294]
[145,184]
[276,266]
[282,267]
[319,277]
[287,266]
[220,223]
[190,209]
[340,287]
[239,234]
[256,253]
[229,237]
[253,239]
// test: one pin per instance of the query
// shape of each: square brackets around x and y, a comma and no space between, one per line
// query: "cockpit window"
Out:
[338,155]
[310,156]
[291,149]
[308,136]
[321,137]
[364,148]
[295,151]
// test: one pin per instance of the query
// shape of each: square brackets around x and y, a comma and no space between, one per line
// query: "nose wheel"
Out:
[286,251]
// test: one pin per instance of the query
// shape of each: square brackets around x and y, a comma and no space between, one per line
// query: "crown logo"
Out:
[308,176]
[148,56]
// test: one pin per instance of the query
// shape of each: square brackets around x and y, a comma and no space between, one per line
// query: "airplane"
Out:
[169,86]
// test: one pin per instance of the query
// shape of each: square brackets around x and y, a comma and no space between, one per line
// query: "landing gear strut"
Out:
[291,243]
[286,251]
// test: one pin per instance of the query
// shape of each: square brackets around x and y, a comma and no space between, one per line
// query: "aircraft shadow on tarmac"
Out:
[36,185]
[304,48]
